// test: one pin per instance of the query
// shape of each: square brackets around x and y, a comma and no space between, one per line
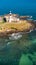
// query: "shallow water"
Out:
[12,52]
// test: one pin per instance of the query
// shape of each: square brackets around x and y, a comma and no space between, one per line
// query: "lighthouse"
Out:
[10,17]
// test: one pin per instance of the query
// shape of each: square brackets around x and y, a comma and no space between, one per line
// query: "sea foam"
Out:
[15,36]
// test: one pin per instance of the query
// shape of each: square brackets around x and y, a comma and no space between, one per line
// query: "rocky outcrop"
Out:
[22,26]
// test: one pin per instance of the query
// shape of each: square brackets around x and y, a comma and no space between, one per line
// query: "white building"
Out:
[11,17]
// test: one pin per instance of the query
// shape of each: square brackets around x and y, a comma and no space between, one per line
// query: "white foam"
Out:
[15,36]
[8,43]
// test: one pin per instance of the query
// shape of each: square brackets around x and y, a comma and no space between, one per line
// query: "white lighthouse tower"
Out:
[10,17]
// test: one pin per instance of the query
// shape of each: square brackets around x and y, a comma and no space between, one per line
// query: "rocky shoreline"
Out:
[14,24]
[8,33]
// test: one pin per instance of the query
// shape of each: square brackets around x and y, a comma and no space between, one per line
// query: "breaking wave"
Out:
[18,35]
[15,36]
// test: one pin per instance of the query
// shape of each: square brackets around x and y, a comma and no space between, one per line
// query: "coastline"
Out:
[16,24]
[9,28]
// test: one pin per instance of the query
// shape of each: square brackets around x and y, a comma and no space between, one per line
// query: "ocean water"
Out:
[21,7]
[18,51]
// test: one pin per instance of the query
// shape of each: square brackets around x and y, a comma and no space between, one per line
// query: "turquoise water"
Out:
[18,52]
